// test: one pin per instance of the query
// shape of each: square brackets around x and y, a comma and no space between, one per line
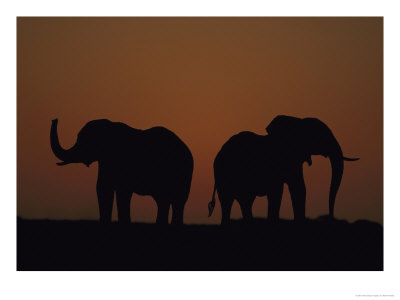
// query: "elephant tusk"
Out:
[350,159]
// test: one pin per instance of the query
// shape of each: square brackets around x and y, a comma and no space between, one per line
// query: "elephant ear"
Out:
[95,138]
[284,126]
[288,131]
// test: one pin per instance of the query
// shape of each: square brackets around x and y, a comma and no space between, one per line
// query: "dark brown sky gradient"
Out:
[206,79]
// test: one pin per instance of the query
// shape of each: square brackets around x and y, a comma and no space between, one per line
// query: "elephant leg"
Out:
[177,212]
[226,207]
[246,204]
[163,210]
[123,206]
[274,195]
[297,191]
[105,196]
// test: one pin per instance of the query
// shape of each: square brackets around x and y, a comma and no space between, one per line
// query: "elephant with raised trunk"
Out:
[151,162]
[250,165]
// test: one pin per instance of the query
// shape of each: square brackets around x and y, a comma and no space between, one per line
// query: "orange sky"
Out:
[205,79]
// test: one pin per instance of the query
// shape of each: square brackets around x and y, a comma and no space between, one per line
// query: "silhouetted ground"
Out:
[86,245]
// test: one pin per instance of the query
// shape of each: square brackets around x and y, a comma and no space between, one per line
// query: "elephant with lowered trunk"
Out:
[151,162]
[250,165]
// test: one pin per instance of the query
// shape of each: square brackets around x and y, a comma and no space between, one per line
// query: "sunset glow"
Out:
[205,79]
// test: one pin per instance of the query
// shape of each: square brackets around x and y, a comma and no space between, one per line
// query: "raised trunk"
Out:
[336,159]
[67,156]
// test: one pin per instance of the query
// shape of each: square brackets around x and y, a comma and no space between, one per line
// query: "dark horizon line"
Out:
[323,218]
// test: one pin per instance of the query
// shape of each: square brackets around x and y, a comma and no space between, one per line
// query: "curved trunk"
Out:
[336,159]
[66,156]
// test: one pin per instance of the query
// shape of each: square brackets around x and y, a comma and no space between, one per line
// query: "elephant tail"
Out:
[211,204]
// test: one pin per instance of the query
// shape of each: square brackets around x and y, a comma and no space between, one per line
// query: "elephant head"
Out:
[89,145]
[310,136]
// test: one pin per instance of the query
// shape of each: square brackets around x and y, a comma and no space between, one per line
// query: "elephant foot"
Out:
[301,219]
[105,222]
[272,220]
[177,223]
[248,222]
[124,223]
[162,223]
[225,223]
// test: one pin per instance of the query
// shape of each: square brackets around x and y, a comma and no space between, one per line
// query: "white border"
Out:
[197,285]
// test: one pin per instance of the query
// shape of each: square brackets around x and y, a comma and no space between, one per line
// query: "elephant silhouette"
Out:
[151,162]
[250,165]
